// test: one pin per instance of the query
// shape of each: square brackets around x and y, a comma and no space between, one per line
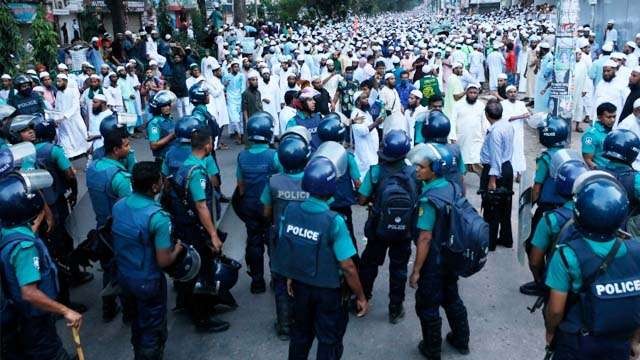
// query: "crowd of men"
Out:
[370,111]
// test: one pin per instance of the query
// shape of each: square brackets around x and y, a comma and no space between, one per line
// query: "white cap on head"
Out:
[416,93]
[252,74]
[300,58]
[120,68]
[611,21]
[637,35]
[100,97]
[502,76]
[5,77]
[395,59]
[153,63]
[389,75]
[128,33]
[511,87]
[62,67]
[582,42]
[544,45]
[265,70]
[43,74]
[608,46]
[636,69]
[610,63]
[472,86]
[631,44]
[618,56]
[94,39]
[95,76]
[62,76]
[455,65]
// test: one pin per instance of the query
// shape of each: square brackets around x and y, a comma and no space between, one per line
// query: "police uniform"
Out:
[345,195]
[27,105]
[318,240]
[597,338]
[128,162]
[255,165]
[375,251]
[190,185]
[140,228]
[310,123]
[26,261]
[547,232]
[107,181]
[206,119]
[159,127]
[282,189]
[592,141]
[438,287]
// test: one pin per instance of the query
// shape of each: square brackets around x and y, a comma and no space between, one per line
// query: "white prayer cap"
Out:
[62,76]
[252,74]
[618,56]
[455,65]
[416,93]
[32,72]
[582,42]
[44,74]
[128,33]
[94,39]
[5,77]
[544,45]
[426,68]
[265,71]
[637,35]
[120,68]
[608,46]
[631,44]
[215,66]
[636,69]
[167,37]
[611,21]
[106,66]
[502,76]
[111,73]
[153,63]
[100,97]
[395,59]
[511,87]
[389,75]
[62,67]
[94,76]
[610,63]
[300,57]
[473,86]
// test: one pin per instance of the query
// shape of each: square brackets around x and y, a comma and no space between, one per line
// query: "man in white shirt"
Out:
[270,95]
[113,94]
[412,112]
[471,126]
[515,111]
[194,78]
[392,104]
[99,111]
[632,123]
[72,131]
[331,79]
[365,138]
[609,90]
[305,70]
[287,111]
[611,34]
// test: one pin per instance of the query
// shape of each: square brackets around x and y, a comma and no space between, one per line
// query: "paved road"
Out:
[501,327]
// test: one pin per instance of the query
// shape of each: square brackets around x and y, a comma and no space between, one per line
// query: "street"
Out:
[501,326]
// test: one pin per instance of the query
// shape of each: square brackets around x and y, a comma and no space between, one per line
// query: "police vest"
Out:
[306,249]
[100,190]
[311,123]
[452,172]
[201,112]
[175,157]
[563,215]
[548,193]
[27,105]
[611,305]
[627,176]
[48,283]
[256,169]
[133,246]
[183,208]
[285,189]
[167,127]
[345,194]
[44,161]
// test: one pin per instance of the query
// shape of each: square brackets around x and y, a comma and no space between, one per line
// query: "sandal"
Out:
[222,146]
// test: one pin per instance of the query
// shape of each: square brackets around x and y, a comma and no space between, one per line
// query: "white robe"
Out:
[365,143]
[471,126]
[72,131]
[410,118]
[579,83]
[517,108]
[217,102]
[94,127]
[271,92]
[495,63]
[610,92]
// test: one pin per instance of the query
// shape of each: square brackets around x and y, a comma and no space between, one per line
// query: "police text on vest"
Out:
[302,232]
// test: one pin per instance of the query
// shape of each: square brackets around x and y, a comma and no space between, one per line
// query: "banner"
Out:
[23,13]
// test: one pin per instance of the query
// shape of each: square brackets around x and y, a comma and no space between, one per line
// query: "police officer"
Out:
[436,285]
[283,188]
[29,275]
[192,209]
[26,101]
[108,125]
[318,258]
[6,114]
[593,138]
[395,145]
[553,133]
[51,157]
[593,310]
[435,129]
[107,181]
[142,247]
[307,116]
[332,129]
[255,165]
[547,232]
[160,130]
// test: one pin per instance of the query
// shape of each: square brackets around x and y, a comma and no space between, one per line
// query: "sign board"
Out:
[23,13]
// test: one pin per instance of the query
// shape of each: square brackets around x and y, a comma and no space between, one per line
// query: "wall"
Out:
[624,12]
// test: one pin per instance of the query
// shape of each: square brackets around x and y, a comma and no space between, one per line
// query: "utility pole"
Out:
[561,103]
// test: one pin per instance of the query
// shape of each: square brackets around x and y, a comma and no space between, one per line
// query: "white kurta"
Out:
[72,131]
[470,127]
[610,92]
[285,115]
[365,142]
[476,66]
[271,92]
[495,63]
[511,109]
[579,83]
[94,127]
[410,120]
[217,102]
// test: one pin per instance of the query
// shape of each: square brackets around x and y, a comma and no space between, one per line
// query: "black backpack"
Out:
[395,204]
[467,246]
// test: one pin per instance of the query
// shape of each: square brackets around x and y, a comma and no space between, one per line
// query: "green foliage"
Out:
[88,19]
[44,40]
[197,22]
[11,42]
[289,10]
[164,20]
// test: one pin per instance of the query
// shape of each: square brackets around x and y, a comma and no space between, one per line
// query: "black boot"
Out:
[283,315]
[258,286]
[458,338]
[396,313]
[532,288]
[110,308]
[431,345]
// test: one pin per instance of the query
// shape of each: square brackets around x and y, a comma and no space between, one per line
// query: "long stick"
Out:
[76,339]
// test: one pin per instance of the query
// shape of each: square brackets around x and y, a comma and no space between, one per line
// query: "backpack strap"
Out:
[603,266]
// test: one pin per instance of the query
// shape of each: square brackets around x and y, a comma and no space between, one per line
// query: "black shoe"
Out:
[422,347]
[462,349]
[127,318]
[258,286]
[80,278]
[109,312]
[532,289]
[282,331]
[77,307]
[211,325]
[224,199]
[396,313]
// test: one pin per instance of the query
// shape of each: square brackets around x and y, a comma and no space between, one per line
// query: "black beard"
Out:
[471,102]
[96,111]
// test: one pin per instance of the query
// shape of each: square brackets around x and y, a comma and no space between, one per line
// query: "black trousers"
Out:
[497,206]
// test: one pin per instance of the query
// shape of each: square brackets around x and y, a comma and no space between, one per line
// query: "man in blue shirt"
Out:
[496,180]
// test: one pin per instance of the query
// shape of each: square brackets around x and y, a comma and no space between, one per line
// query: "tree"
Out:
[89,22]
[164,20]
[11,40]
[44,40]
[239,11]
[117,15]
